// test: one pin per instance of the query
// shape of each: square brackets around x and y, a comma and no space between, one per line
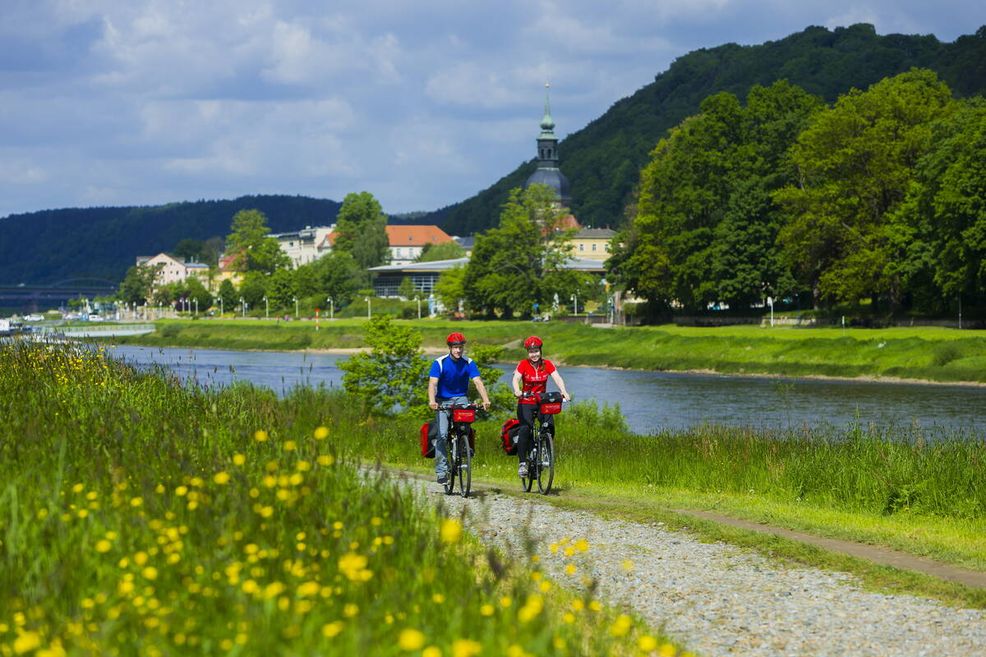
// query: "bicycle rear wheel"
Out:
[464,465]
[546,462]
[528,481]
[452,441]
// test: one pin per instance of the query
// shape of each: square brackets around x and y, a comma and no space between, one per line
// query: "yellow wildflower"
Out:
[330,630]
[221,478]
[451,530]
[570,569]
[350,610]
[621,625]
[149,573]
[26,642]
[431,651]
[290,445]
[667,650]
[309,589]
[531,609]
[466,648]
[239,459]
[326,460]
[581,545]
[647,643]
[486,610]
[410,639]
[103,546]
[627,565]
[261,436]
[321,433]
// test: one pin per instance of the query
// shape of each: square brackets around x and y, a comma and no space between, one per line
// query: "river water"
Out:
[650,401]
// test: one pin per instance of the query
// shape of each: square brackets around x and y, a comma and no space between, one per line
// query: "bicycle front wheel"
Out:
[546,462]
[464,465]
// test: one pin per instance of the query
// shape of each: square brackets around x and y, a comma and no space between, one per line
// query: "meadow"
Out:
[143,517]
[930,354]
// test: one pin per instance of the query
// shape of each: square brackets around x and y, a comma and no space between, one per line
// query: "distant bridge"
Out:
[33,297]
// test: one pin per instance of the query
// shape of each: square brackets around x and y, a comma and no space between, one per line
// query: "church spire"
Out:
[547,123]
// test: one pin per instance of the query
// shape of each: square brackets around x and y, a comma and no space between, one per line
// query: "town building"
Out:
[174,269]
[306,245]
[407,242]
[592,243]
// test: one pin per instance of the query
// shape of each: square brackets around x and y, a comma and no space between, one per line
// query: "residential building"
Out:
[174,269]
[407,242]
[306,245]
[592,243]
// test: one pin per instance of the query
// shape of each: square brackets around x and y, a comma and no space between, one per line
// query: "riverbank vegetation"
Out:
[931,354]
[145,517]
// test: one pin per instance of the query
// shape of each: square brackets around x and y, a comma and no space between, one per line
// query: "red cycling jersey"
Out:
[534,379]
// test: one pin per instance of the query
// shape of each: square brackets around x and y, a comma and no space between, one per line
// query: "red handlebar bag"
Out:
[463,414]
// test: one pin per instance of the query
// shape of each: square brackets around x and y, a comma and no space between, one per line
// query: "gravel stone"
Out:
[716,598]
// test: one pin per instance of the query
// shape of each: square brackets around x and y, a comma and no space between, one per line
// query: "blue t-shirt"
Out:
[453,375]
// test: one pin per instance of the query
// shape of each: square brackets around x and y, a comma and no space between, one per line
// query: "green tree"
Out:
[138,284]
[361,230]
[195,291]
[449,289]
[227,292]
[406,289]
[445,251]
[855,163]
[521,262]
[282,289]
[337,276]
[254,289]
[393,374]
[704,224]
[256,250]
[944,214]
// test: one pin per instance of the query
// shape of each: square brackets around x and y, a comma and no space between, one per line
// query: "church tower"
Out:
[548,172]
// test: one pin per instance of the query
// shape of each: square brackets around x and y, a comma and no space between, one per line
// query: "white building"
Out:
[174,269]
[306,245]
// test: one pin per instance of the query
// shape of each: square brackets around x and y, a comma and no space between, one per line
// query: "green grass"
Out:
[138,516]
[932,354]
[924,499]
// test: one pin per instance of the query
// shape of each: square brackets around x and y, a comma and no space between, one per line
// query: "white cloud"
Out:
[423,104]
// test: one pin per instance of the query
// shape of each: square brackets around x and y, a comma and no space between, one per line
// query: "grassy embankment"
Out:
[141,517]
[924,499]
[927,500]
[930,354]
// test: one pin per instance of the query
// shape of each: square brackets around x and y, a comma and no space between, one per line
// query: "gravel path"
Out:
[719,599]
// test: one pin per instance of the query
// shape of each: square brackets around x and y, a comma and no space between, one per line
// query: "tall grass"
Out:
[138,516]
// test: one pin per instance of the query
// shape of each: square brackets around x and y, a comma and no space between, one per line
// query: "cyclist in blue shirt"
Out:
[448,382]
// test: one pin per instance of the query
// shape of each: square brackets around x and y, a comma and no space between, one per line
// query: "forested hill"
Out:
[54,245]
[603,160]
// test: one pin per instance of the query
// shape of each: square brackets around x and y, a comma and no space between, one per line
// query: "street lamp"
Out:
[419,307]
[575,300]
[266,308]
[196,302]
[367,307]
[770,302]
[220,306]
[295,299]
[332,307]
[243,306]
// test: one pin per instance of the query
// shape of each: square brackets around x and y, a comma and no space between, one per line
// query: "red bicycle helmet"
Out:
[533,342]
[455,338]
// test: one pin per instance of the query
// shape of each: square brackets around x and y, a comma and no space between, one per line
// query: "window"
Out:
[593,247]
[581,247]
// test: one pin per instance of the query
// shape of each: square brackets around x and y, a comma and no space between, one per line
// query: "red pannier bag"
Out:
[429,432]
[463,414]
[508,436]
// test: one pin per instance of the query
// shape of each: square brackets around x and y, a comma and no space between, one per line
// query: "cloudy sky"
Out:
[139,102]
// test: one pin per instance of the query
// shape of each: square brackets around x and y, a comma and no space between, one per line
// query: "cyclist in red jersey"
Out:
[531,377]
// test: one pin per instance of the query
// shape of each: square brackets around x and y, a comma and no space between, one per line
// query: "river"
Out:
[650,401]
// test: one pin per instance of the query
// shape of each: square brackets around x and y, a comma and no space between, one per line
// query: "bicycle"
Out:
[541,452]
[460,449]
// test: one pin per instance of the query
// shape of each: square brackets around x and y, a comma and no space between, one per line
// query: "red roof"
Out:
[416,235]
